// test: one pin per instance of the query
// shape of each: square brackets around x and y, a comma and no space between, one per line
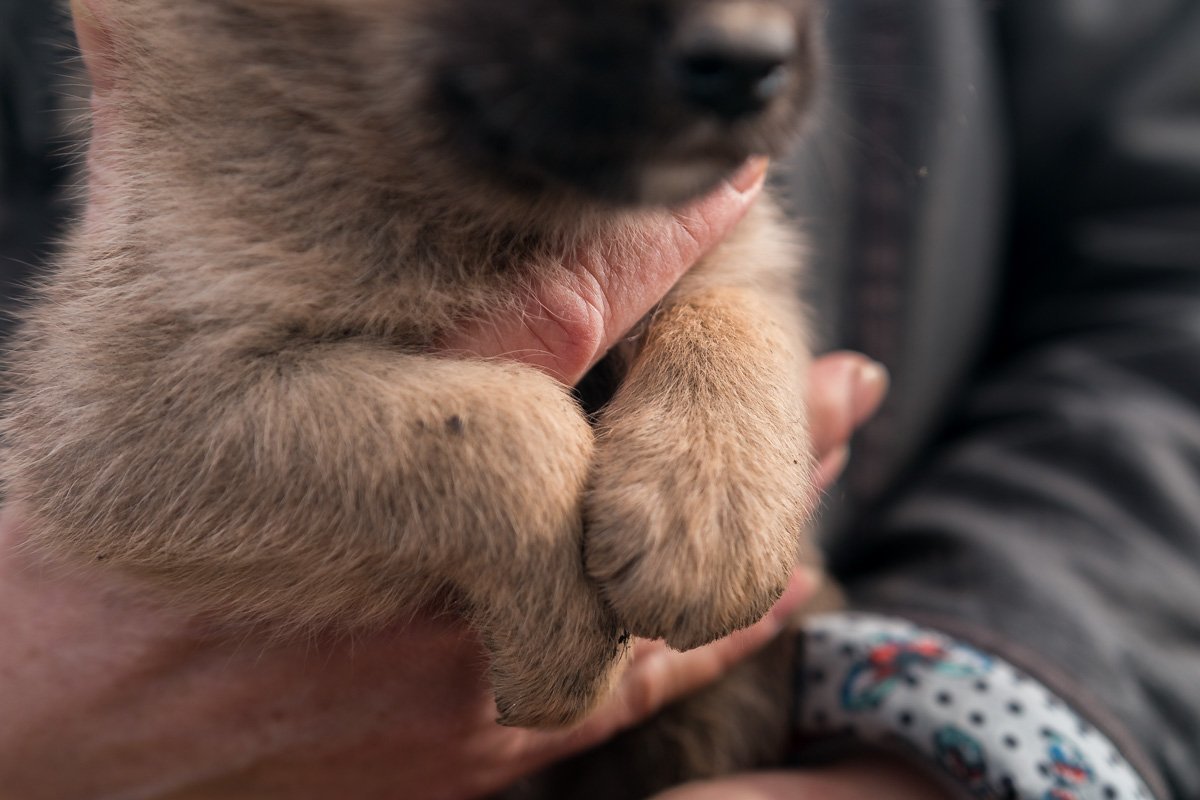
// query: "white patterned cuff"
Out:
[987,727]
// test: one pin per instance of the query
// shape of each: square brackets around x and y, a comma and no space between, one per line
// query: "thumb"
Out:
[570,321]
[633,283]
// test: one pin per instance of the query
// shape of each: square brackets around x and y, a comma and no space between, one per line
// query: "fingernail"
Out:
[751,175]
[871,385]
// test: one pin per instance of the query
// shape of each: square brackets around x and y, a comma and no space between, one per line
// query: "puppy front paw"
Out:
[563,664]
[693,530]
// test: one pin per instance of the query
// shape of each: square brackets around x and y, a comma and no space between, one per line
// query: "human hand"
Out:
[871,777]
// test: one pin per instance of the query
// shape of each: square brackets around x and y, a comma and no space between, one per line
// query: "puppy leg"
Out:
[702,479]
[735,725]
[332,484]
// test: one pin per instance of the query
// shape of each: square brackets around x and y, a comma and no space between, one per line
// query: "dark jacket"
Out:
[1006,196]
[1005,201]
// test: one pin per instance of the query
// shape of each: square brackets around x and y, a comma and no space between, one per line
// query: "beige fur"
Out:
[229,385]
[738,724]
[703,450]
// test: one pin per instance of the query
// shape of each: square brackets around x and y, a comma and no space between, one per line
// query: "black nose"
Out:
[732,59]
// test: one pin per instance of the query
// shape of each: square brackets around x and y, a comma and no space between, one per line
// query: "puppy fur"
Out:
[231,383]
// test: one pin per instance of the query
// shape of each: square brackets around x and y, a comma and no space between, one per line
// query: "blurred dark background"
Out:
[36,57]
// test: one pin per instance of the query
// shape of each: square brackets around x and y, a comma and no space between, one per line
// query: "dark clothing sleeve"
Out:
[1057,520]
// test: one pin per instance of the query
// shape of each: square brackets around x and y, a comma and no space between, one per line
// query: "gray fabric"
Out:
[1056,517]
[900,187]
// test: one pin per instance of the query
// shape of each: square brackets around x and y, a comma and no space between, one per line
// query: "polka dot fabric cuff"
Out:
[987,727]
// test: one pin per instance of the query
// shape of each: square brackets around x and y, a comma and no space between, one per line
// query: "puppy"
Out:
[230,385]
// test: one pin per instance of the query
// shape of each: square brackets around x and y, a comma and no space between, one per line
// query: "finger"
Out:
[659,676]
[635,282]
[831,467]
[845,390]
